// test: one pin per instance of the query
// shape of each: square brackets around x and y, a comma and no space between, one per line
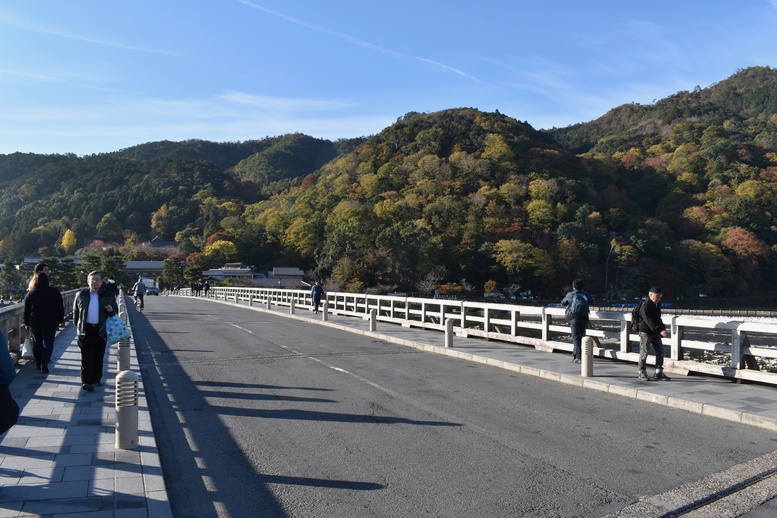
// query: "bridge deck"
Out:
[61,454]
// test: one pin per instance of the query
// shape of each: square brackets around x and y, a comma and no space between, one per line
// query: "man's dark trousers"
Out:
[92,347]
[577,327]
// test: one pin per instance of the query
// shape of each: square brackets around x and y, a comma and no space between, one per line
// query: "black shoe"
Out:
[88,387]
[660,376]
[44,368]
[643,376]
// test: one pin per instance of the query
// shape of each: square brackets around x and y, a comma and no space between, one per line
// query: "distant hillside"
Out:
[680,193]
[749,94]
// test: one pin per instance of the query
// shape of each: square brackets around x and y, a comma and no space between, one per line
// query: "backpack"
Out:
[636,316]
[579,305]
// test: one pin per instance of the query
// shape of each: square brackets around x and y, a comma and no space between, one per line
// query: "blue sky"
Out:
[92,76]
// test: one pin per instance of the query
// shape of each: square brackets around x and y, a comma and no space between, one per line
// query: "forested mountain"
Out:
[680,193]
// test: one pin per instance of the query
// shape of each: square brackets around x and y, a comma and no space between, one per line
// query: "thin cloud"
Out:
[359,43]
[15,21]
[284,104]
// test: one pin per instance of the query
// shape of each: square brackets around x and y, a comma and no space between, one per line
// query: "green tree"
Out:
[66,275]
[219,252]
[173,273]
[12,282]
[191,274]
[90,264]
[114,266]
[531,265]
[710,271]
[110,227]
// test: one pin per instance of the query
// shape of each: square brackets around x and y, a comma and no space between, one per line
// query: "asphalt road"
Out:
[257,415]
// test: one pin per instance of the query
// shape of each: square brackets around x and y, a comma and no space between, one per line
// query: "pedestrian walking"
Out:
[44,311]
[578,303]
[91,308]
[651,331]
[317,291]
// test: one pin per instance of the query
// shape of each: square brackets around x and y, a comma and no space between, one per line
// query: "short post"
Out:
[587,365]
[449,332]
[291,307]
[325,311]
[269,302]
[250,300]
[123,356]
[127,410]
[373,319]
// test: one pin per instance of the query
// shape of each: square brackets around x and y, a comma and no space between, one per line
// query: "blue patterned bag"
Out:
[116,330]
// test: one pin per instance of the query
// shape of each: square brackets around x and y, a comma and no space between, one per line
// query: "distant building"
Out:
[280,277]
[146,269]
[230,271]
[158,242]
[133,269]
[30,261]
[287,277]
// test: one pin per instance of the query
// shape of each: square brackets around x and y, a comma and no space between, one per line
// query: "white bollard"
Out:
[587,365]
[373,319]
[127,410]
[325,311]
[123,356]
[269,302]
[449,332]
[291,307]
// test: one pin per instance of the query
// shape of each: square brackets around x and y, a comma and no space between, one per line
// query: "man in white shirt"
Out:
[90,310]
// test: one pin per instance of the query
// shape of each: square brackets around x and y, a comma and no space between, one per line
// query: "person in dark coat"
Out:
[651,331]
[43,312]
[577,323]
[91,308]
[317,291]
[9,408]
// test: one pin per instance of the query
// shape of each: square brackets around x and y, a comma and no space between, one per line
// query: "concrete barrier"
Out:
[127,410]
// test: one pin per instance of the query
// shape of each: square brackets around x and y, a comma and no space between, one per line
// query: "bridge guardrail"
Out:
[729,347]
[12,321]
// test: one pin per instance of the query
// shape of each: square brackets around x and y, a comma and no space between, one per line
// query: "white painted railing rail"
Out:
[12,321]
[729,347]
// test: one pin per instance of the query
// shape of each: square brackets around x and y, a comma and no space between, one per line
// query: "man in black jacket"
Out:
[91,308]
[651,332]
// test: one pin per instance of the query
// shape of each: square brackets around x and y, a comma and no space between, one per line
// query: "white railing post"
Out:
[449,332]
[464,319]
[486,319]
[677,340]
[587,363]
[373,319]
[625,331]
[736,349]
[127,410]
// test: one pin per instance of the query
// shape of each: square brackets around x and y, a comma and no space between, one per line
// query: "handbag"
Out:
[27,353]
[116,330]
